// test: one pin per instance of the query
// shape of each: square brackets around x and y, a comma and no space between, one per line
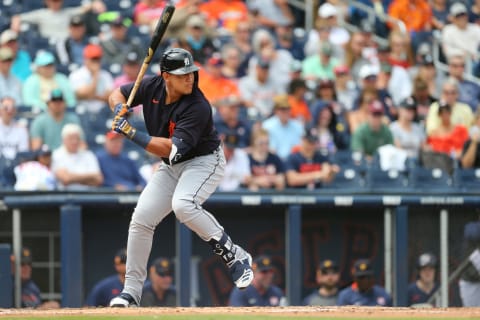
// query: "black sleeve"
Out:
[193,123]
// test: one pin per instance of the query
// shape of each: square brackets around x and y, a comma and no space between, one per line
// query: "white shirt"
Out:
[13,139]
[457,41]
[236,170]
[33,175]
[82,162]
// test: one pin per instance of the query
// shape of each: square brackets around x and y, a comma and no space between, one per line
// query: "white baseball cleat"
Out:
[241,268]
[123,300]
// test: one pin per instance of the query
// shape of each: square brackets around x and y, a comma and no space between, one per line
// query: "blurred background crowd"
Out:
[376,85]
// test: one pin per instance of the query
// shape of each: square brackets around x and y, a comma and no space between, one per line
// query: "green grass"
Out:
[212,317]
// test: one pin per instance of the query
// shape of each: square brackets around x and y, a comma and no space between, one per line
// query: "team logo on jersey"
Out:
[186,61]
[171,128]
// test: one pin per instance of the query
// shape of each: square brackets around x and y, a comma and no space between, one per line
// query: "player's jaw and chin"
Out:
[182,83]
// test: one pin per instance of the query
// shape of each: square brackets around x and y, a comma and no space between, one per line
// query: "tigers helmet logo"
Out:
[186,61]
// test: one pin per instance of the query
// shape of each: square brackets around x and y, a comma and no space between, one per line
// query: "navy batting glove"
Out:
[121,109]
[121,125]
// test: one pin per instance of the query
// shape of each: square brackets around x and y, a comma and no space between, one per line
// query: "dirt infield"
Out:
[332,312]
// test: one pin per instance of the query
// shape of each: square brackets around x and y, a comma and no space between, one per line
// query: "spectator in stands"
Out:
[307,168]
[225,15]
[474,12]
[357,117]
[197,40]
[268,171]
[286,39]
[423,100]
[469,283]
[401,53]
[228,120]
[119,171]
[46,128]
[357,15]
[296,99]
[38,86]
[130,69]
[257,91]
[53,21]
[471,153]
[31,295]
[339,36]
[439,13]
[354,58]
[241,39]
[231,57]
[237,170]
[280,60]
[461,37]
[159,291]
[364,291]
[262,292]
[21,58]
[448,137]
[13,136]
[427,72]
[146,11]
[269,14]
[104,290]
[325,94]
[116,47]
[75,168]
[284,131]
[345,87]
[417,17]
[420,291]
[215,86]
[468,91]
[372,134]
[321,65]
[35,174]
[319,35]
[461,112]
[407,134]
[92,84]
[10,85]
[331,130]
[327,278]
[70,50]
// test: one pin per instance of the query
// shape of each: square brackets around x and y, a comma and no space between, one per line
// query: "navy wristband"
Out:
[142,139]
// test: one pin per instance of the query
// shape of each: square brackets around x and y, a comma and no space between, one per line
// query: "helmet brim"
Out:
[184,70]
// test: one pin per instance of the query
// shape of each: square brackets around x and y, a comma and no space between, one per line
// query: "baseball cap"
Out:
[55,95]
[215,60]
[263,63]
[408,103]
[120,21]
[44,58]
[196,21]
[121,256]
[311,134]
[327,10]
[458,8]
[92,51]
[44,150]
[426,260]
[426,60]
[325,83]
[367,71]
[163,266]
[132,58]
[262,263]
[362,267]
[326,48]
[77,20]
[341,69]
[7,36]
[376,107]
[328,264]
[280,101]
[296,66]
[26,256]
[110,135]
[6,54]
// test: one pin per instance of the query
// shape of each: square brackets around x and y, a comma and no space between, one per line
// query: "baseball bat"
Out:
[154,42]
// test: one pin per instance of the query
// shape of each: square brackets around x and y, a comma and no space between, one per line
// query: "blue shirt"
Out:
[119,170]
[377,296]
[250,297]
[30,295]
[21,65]
[415,295]
[242,130]
[297,162]
[104,291]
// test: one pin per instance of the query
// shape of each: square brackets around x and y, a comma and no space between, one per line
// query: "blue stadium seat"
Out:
[346,179]
[349,159]
[467,179]
[390,180]
[426,179]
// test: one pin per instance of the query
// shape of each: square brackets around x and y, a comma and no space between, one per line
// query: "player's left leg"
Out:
[200,177]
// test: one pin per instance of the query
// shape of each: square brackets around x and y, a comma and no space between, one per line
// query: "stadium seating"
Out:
[378,180]
[346,179]
[466,179]
[427,179]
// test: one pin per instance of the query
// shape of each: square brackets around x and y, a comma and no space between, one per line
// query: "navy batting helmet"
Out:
[427,260]
[177,61]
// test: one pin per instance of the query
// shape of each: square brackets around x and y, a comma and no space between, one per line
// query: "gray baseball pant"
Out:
[183,188]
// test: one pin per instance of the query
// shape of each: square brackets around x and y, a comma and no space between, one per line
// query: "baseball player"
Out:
[180,129]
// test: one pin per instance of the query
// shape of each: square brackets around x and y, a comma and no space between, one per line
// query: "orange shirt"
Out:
[226,13]
[416,14]
[452,142]
[215,89]
[299,109]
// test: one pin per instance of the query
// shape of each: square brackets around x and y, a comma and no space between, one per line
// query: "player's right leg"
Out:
[153,205]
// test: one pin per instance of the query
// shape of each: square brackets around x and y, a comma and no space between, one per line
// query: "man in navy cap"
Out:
[364,291]
[159,291]
[327,278]
[261,292]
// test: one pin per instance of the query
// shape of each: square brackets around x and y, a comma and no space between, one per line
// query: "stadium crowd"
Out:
[295,108]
